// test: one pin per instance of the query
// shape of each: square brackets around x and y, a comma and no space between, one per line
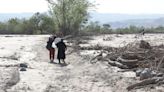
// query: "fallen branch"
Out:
[159,64]
[12,65]
[129,63]
[127,70]
[115,63]
[153,80]
[10,57]
[97,56]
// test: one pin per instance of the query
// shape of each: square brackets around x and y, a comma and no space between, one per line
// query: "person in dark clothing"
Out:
[50,48]
[143,32]
[61,51]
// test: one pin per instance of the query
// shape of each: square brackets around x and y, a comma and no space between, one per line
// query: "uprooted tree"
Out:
[69,15]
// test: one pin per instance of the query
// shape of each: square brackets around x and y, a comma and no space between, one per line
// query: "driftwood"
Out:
[16,65]
[11,65]
[11,57]
[115,63]
[133,55]
[129,63]
[97,56]
[127,70]
[153,80]
[159,64]
[112,63]
[138,52]
[67,37]
[113,57]
[97,47]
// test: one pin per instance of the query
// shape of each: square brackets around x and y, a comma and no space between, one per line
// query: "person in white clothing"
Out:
[57,40]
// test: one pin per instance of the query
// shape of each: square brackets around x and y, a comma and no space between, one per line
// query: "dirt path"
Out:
[78,76]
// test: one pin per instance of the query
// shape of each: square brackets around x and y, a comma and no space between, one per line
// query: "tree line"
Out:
[37,24]
[96,27]
[68,17]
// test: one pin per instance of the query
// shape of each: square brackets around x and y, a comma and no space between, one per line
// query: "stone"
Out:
[145,45]
[138,72]
[145,74]
[23,69]
[23,65]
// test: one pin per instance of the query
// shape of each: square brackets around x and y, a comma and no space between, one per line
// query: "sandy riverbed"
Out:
[78,76]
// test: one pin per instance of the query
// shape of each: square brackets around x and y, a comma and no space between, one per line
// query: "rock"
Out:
[113,57]
[104,55]
[23,65]
[145,45]
[145,74]
[138,72]
[154,73]
[23,69]
[160,74]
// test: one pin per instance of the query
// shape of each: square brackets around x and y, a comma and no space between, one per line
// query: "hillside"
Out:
[125,20]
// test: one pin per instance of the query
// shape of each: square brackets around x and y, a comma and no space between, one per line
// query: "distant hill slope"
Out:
[125,20]
[139,22]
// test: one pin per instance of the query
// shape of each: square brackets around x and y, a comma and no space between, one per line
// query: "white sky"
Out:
[131,6]
[105,6]
[23,6]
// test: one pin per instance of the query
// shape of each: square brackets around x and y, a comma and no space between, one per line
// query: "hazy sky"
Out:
[21,6]
[131,6]
[105,6]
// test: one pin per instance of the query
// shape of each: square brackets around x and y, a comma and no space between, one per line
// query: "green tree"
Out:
[46,24]
[34,23]
[106,28]
[12,25]
[3,28]
[93,27]
[41,23]
[69,15]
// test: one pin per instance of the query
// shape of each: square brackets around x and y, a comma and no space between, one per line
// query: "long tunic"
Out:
[61,50]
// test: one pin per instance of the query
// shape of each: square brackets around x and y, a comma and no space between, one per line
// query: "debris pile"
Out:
[147,61]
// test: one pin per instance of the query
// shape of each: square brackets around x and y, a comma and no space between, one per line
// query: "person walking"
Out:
[61,51]
[50,48]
